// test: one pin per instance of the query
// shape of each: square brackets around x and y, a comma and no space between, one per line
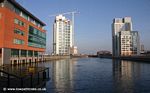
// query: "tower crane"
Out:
[72,19]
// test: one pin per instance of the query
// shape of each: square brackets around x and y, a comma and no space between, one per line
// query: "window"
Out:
[35,31]
[31,20]
[24,16]
[16,21]
[17,31]
[23,53]
[17,11]
[30,53]
[36,23]
[18,41]
[35,53]
[14,53]
[36,38]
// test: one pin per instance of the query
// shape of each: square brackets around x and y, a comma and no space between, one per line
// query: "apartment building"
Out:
[125,41]
[62,36]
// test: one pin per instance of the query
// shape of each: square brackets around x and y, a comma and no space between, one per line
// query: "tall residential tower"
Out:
[125,42]
[62,36]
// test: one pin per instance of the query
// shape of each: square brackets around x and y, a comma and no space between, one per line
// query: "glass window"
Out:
[17,31]
[24,16]
[23,53]
[35,53]
[16,21]
[14,53]
[30,53]
[18,41]
[31,29]
[36,38]
[17,11]
[31,20]
[35,31]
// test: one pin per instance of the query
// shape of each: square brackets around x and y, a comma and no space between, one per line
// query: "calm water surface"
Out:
[95,75]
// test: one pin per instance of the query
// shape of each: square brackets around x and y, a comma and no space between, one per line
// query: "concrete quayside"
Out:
[131,58]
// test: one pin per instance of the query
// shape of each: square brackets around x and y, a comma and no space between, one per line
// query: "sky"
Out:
[93,23]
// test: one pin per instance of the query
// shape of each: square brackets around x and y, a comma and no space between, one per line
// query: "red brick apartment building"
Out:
[22,35]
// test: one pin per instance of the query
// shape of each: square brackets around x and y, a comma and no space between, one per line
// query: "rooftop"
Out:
[24,10]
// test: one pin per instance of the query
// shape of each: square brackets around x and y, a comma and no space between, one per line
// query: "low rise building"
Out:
[104,53]
[74,50]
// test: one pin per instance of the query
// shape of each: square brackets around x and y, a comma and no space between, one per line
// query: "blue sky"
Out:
[93,24]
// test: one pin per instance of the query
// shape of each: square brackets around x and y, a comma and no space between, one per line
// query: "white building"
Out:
[74,50]
[125,41]
[142,50]
[62,36]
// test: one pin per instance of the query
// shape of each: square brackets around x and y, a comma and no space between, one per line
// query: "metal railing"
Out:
[23,79]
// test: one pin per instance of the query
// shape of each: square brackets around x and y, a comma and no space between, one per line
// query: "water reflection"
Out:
[62,75]
[95,75]
[125,73]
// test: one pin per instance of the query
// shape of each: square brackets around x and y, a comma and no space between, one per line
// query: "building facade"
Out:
[74,50]
[135,43]
[22,35]
[62,36]
[104,53]
[142,49]
[125,42]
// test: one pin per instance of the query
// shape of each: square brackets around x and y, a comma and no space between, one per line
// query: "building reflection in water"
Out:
[62,75]
[125,73]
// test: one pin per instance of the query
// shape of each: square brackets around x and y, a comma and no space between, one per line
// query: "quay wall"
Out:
[55,57]
[132,58]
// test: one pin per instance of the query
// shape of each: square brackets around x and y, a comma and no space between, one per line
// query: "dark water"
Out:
[95,75]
